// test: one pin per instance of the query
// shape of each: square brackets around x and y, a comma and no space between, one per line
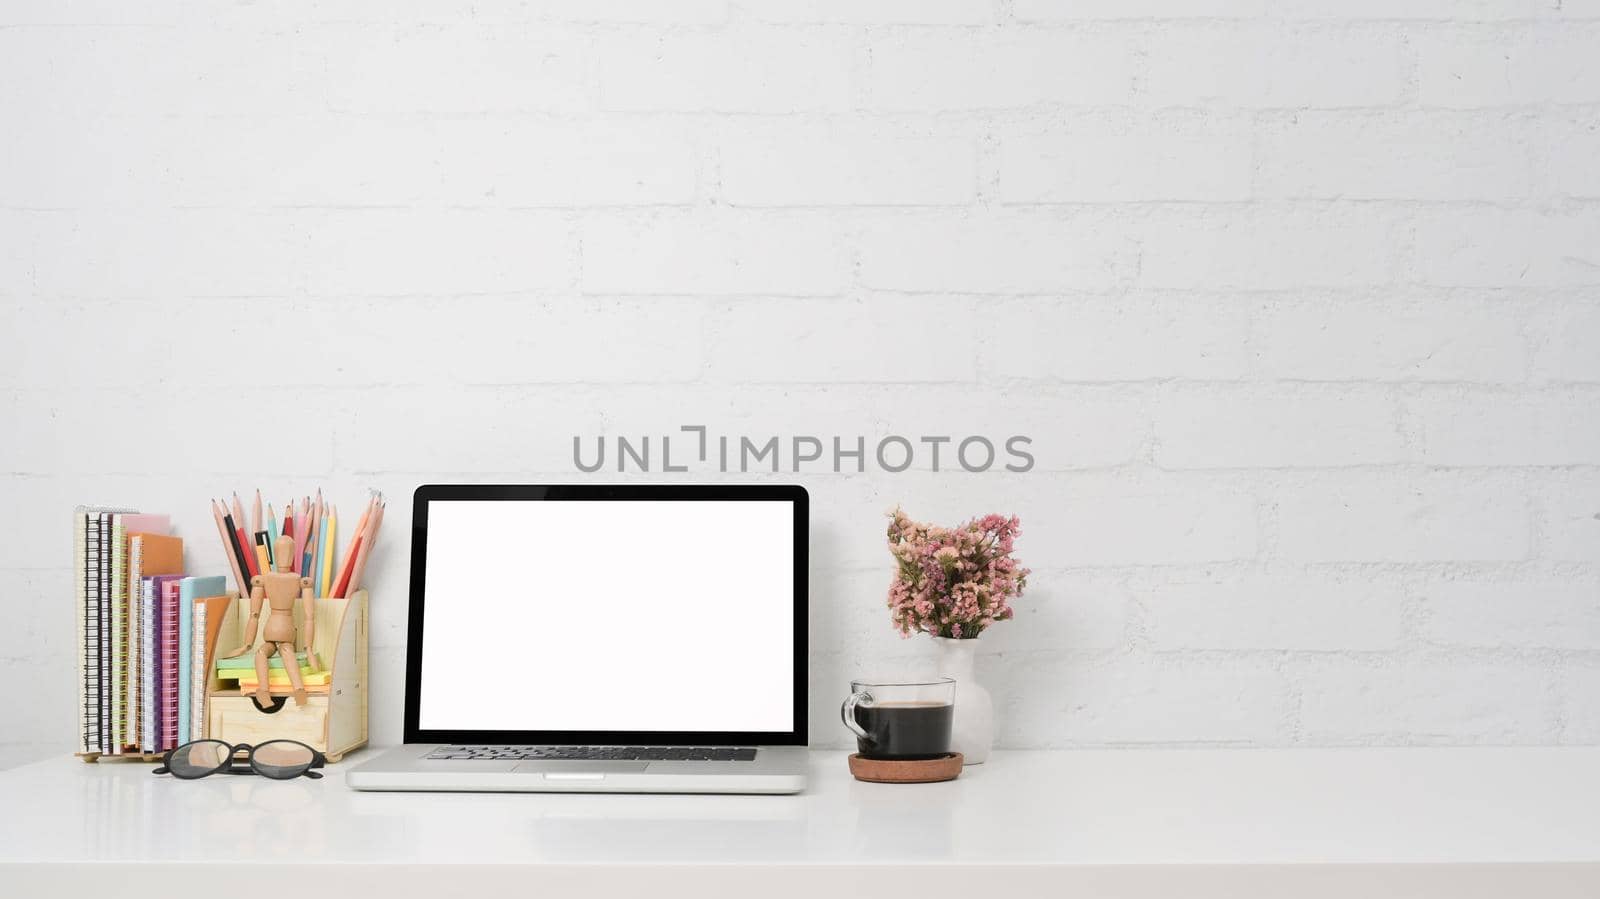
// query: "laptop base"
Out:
[775,769]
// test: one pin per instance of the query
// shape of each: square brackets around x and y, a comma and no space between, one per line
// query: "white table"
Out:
[1132,823]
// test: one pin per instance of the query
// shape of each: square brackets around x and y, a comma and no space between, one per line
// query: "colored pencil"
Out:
[343,582]
[319,513]
[228,547]
[234,535]
[308,543]
[303,523]
[238,512]
[342,576]
[363,532]
[333,550]
[325,566]
[368,539]
[288,531]
[255,513]
[317,550]
[246,550]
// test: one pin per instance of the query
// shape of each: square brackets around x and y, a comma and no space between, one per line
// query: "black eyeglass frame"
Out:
[230,764]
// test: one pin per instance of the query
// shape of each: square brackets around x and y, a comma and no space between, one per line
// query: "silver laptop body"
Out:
[590,638]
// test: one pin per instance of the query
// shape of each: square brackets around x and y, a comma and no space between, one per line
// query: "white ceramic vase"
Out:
[973,732]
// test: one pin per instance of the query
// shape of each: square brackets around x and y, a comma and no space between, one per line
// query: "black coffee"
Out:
[904,730]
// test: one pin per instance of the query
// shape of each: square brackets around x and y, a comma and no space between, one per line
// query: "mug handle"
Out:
[847,712]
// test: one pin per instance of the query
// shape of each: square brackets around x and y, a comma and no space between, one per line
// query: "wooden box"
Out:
[334,722]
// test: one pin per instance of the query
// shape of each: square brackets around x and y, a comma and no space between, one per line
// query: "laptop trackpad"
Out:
[577,768]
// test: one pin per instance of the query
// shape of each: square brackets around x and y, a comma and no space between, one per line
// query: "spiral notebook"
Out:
[197,674]
[159,555]
[102,643]
[91,544]
[192,592]
[148,605]
[88,693]
[167,630]
[117,603]
[128,567]
[159,633]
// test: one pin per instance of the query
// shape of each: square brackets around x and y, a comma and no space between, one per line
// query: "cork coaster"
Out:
[889,771]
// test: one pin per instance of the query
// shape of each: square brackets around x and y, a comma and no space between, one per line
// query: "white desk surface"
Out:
[1126,823]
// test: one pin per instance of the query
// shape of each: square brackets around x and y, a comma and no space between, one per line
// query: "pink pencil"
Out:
[302,523]
[369,538]
[341,574]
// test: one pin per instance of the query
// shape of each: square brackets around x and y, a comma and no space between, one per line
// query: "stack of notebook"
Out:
[141,664]
[243,671]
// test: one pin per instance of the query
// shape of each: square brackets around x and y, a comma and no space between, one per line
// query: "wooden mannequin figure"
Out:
[280,588]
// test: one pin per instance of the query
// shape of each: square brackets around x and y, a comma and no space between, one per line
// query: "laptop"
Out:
[589,638]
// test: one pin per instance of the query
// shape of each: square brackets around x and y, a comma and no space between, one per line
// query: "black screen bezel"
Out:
[795,736]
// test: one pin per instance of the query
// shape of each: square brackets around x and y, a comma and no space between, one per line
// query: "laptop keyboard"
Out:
[597,753]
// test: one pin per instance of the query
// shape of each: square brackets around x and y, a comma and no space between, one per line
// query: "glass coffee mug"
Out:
[901,721]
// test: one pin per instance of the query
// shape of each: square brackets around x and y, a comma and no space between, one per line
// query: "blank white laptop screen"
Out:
[608,616]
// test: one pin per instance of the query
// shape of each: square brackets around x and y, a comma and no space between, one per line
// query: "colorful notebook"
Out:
[198,674]
[216,620]
[163,554]
[135,640]
[222,625]
[167,630]
[91,539]
[190,590]
[117,689]
[273,674]
[148,604]
[83,522]
[277,678]
[103,543]
[150,554]
[308,681]
[159,621]
[127,572]
[247,662]
[285,688]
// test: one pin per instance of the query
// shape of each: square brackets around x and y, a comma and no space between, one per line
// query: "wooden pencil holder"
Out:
[334,722]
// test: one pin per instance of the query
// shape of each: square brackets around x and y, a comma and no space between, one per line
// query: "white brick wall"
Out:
[844,164]
[1299,301]
[927,70]
[1401,518]
[1275,66]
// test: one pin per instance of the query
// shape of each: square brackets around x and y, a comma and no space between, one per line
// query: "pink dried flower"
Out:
[953,582]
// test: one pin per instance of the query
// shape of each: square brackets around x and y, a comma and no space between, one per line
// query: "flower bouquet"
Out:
[953,582]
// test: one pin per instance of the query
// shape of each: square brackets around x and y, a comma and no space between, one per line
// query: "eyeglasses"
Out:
[277,759]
